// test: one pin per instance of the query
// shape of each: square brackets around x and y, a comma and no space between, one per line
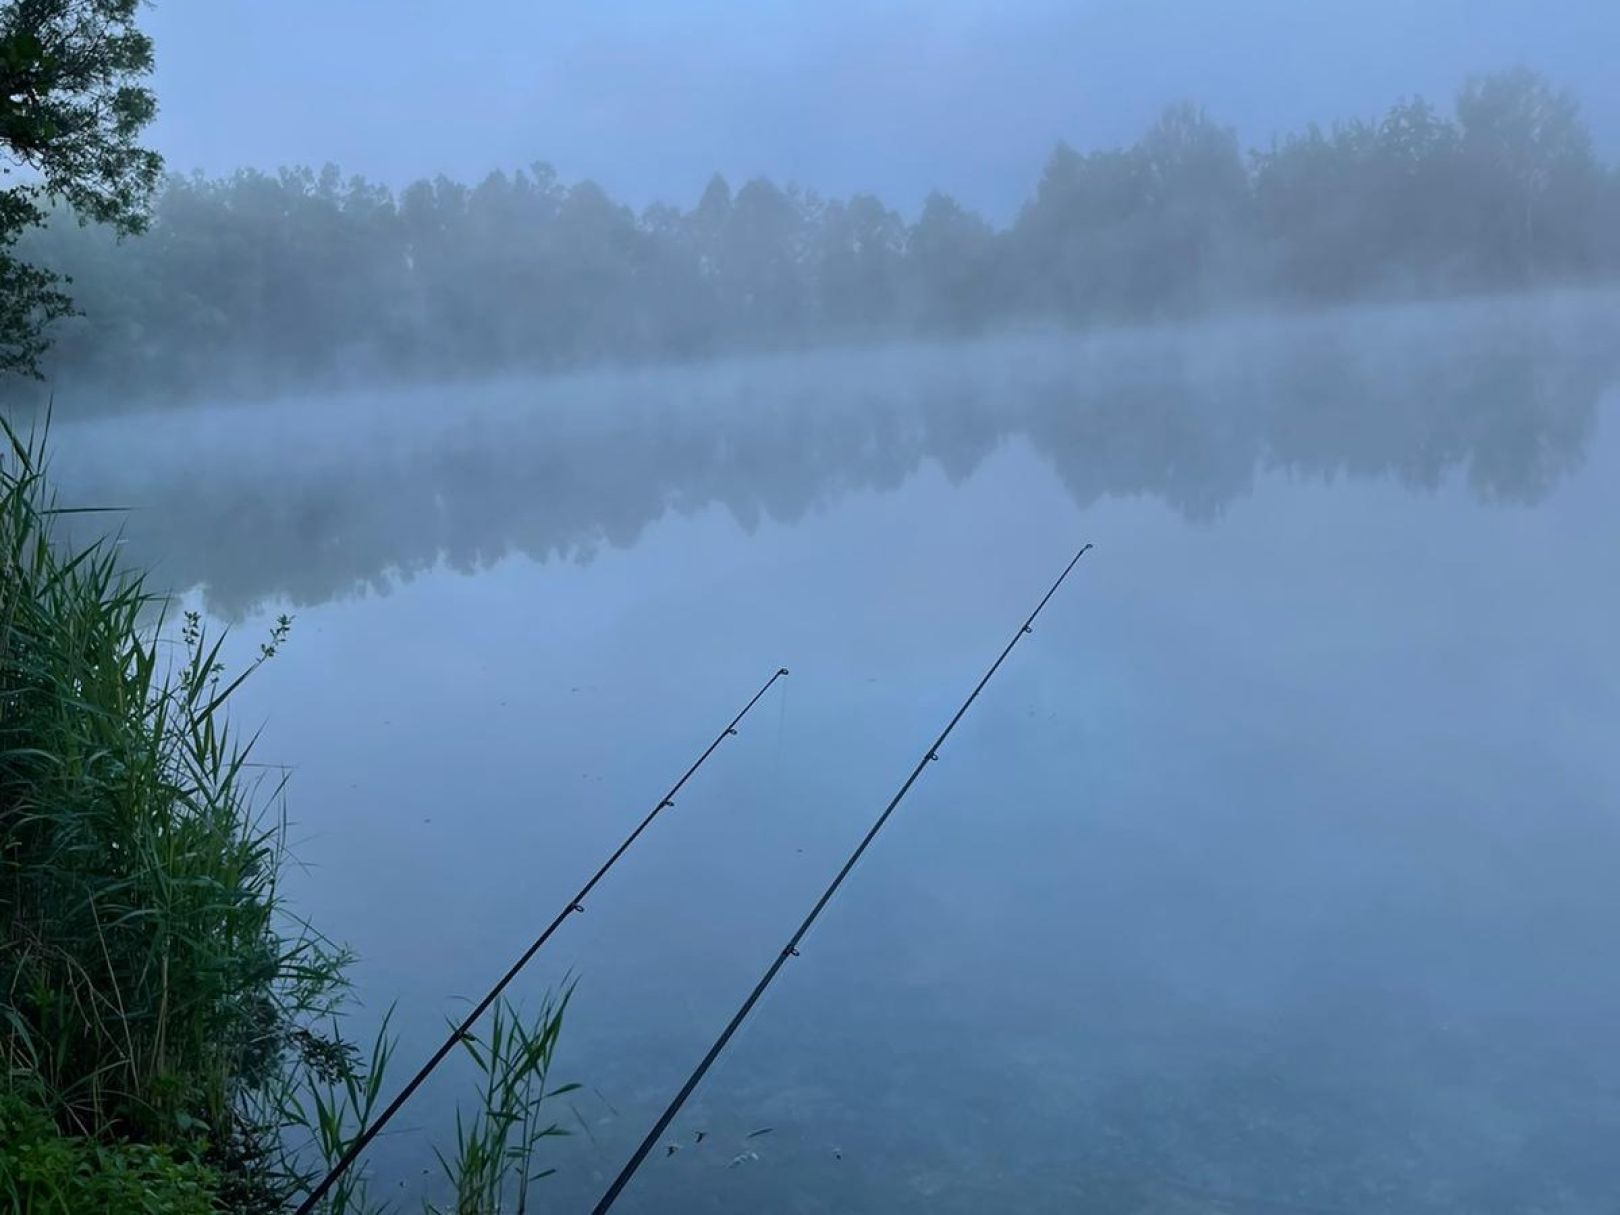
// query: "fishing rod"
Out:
[575,904]
[791,950]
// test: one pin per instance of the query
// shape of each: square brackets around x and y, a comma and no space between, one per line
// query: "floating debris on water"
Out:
[742,1158]
[764,1130]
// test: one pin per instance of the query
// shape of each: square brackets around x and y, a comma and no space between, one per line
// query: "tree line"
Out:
[261,283]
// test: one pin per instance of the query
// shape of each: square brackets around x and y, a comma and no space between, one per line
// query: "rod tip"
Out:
[782,671]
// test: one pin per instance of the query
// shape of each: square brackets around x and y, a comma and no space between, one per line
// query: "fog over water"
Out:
[1276,872]
[365,490]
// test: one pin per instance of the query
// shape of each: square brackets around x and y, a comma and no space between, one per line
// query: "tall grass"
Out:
[494,1161]
[150,981]
[155,993]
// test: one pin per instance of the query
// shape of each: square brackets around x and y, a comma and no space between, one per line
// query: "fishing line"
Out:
[575,904]
[791,950]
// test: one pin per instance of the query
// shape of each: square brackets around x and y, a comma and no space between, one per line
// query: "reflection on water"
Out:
[319,499]
[1276,874]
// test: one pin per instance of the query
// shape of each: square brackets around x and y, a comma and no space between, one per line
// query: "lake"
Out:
[1278,870]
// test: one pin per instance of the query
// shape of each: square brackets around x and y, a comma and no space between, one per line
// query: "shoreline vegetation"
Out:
[171,1032]
[267,284]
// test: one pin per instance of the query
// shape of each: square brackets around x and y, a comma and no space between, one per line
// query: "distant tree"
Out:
[858,250]
[1413,196]
[593,303]
[1606,223]
[702,235]
[676,303]
[72,103]
[1312,214]
[1531,175]
[950,281]
[1067,251]
[708,222]
[1194,211]
[762,263]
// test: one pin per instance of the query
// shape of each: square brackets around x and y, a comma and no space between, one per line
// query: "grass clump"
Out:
[152,990]
[496,1147]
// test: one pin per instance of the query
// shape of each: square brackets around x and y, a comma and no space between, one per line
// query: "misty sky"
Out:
[649,97]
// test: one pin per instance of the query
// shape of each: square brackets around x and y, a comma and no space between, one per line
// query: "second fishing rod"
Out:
[574,905]
[791,949]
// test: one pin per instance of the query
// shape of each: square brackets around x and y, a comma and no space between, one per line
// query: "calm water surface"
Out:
[1278,871]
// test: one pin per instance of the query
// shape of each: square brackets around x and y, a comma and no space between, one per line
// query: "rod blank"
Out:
[575,904]
[791,949]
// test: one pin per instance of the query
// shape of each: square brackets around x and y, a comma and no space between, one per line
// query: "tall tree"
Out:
[950,268]
[762,262]
[1531,170]
[73,101]
[858,253]
[1072,245]
[1195,202]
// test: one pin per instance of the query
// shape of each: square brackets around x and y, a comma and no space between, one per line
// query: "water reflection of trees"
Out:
[320,499]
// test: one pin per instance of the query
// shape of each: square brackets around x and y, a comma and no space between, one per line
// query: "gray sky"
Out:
[901,96]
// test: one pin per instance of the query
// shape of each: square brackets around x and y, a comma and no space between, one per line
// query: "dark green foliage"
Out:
[145,978]
[151,989]
[47,1173]
[72,103]
[43,1172]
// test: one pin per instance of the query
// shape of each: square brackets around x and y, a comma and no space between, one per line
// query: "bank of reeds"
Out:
[168,1029]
